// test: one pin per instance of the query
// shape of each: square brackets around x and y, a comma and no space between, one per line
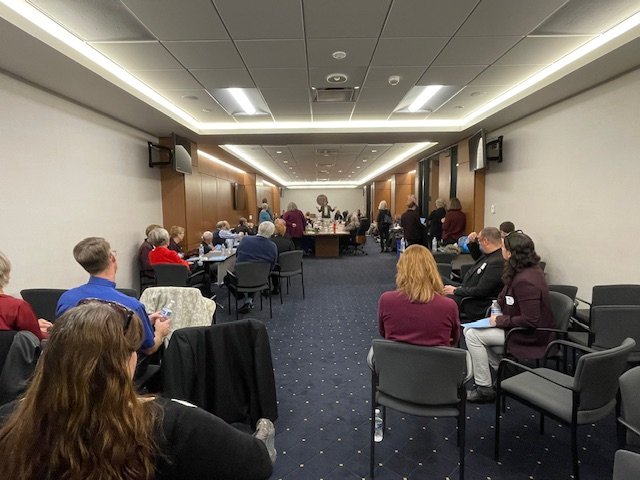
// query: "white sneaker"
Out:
[266,432]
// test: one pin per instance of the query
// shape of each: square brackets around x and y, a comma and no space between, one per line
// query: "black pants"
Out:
[384,237]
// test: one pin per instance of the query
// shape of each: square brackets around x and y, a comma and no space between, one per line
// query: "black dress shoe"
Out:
[246,308]
[481,395]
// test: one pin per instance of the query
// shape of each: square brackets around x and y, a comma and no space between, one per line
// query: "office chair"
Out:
[626,465]
[290,265]
[434,386]
[584,398]
[249,277]
[130,292]
[629,418]
[43,301]
[622,294]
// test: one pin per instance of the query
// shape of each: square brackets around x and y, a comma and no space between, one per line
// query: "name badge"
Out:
[509,300]
[482,267]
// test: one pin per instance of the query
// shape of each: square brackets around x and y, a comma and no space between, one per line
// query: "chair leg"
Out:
[229,301]
[270,311]
[574,450]
[373,427]
[236,305]
[461,441]
[496,445]
[302,278]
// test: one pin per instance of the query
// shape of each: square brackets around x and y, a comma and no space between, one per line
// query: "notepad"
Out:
[482,323]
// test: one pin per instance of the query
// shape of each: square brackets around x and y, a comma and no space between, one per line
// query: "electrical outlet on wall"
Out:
[493,208]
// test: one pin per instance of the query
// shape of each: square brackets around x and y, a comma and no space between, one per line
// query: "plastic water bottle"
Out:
[167,310]
[379,428]
[403,245]
[434,245]
[495,308]
[201,251]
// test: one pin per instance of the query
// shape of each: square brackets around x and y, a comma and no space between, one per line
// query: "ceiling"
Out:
[173,61]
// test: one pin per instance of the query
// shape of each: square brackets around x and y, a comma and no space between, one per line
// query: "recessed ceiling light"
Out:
[339,171]
[339,55]
[424,97]
[285,161]
[206,110]
[189,97]
[459,107]
[477,94]
[358,166]
[364,160]
[374,151]
[290,168]
[278,151]
[337,78]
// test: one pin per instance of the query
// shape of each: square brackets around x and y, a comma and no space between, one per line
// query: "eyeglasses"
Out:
[125,312]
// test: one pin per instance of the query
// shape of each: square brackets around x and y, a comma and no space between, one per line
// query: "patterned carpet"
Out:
[319,348]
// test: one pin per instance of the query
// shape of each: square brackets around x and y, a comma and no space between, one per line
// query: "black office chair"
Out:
[622,294]
[177,275]
[43,301]
[585,398]
[443,257]
[290,265]
[130,292]
[629,418]
[626,465]
[359,238]
[249,277]
[434,386]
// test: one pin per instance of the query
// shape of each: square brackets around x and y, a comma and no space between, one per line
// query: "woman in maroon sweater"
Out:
[454,223]
[417,312]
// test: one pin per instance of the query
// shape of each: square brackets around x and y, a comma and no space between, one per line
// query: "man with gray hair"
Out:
[258,249]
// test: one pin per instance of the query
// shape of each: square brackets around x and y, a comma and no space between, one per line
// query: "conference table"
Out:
[327,243]
[221,260]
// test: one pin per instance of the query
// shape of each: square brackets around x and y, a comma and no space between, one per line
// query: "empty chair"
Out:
[443,257]
[626,465]
[569,290]
[611,324]
[586,397]
[43,301]
[444,269]
[290,265]
[130,292]
[629,419]
[434,386]
[175,275]
[249,277]
[623,294]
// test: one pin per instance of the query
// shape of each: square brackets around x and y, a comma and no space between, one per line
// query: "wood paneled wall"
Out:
[405,184]
[381,191]
[198,201]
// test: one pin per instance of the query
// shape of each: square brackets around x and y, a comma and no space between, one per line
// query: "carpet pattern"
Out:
[319,347]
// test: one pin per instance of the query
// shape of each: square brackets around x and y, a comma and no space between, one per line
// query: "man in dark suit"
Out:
[483,281]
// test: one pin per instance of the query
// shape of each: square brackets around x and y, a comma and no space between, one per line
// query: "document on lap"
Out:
[482,323]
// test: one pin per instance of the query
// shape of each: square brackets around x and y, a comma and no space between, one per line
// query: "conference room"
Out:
[289,100]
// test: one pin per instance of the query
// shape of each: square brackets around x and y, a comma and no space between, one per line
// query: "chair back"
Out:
[630,399]
[365,223]
[569,290]
[290,262]
[562,308]
[171,275]
[444,269]
[434,376]
[129,292]
[252,274]
[6,339]
[597,375]
[43,301]
[626,465]
[625,294]
[611,324]
[443,257]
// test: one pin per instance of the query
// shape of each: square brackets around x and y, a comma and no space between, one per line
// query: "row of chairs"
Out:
[434,386]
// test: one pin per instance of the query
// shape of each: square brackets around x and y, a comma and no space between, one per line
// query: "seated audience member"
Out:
[308,221]
[244,227]
[484,279]
[207,242]
[506,228]
[15,313]
[283,244]
[94,254]
[454,223]
[258,249]
[417,312]
[83,401]
[524,302]
[337,217]
[411,225]
[161,253]
[225,233]
[353,223]
[146,272]
[264,215]
[177,235]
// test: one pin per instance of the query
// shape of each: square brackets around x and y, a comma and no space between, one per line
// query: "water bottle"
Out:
[403,245]
[201,251]
[495,308]
[434,245]
[379,428]
[167,310]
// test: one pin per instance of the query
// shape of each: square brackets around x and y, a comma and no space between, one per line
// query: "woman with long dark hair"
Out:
[83,412]
[524,302]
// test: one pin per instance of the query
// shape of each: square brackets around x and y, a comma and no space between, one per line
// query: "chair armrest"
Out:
[579,325]
[567,344]
[628,426]
[518,366]
[583,301]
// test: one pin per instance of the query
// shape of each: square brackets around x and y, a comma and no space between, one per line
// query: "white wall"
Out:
[571,179]
[344,198]
[67,173]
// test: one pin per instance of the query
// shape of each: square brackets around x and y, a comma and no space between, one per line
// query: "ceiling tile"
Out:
[588,17]
[506,74]
[167,79]
[318,77]
[267,18]
[273,53]
[280,77]
[359,51]
[138,55]
[171,20]
[414,18]
[450,75]
[224,78]
[507,17]
[204,101]
[209,54]
[340,18]
[541,50]
[378,77]
[287,100]
[413,51]
[469,99]
[475,50]
[331,108]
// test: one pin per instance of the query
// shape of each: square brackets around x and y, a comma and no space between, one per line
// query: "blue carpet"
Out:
[319,348]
